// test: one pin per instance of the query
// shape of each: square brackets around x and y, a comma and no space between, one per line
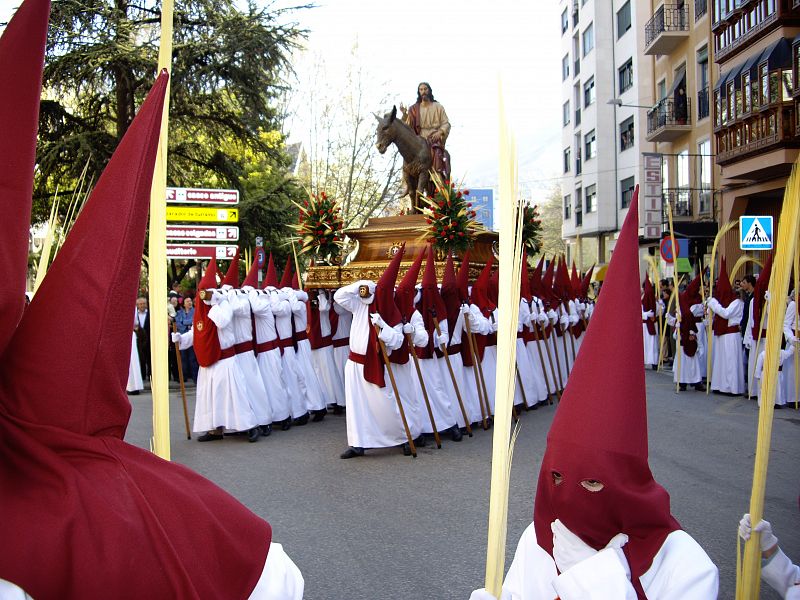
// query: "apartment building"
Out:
[606,80]
[755,104]
[676,40]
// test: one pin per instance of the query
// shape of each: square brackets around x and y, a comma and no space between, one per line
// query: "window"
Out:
[626,191]
[564,21]
[567,207]
[626,76]
[566,112]
[623,19]
[591,145]
[567,159]
[704,175]
[591,198]
[626,138]
[588,39]
[662,89]
[588,92]
[578,208]
[565,67]
[702,68]
[683,169]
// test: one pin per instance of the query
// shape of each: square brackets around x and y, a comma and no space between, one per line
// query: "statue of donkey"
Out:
[416,153]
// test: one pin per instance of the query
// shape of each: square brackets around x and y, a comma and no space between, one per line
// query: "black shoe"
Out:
[406,449]
[682,387]
[266,430]
[534,407]
[655,367]
[286,424]
[455,434]
[700,387]
[300,421]
[209,437]
[319,415]
[778,406]
[253,434]
[133,393]
[352,453]
[421,442]
[338,410]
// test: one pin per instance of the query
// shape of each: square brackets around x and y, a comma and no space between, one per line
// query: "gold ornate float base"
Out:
[379,241]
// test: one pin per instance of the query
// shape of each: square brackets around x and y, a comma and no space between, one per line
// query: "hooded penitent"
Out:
[688,327]
[450,294]
[723,292]
[585,283]
[600,430]
[463,279]
[252,275]
[649,303]
[384,305]
[404,300]
[759,296]
[480,298]
[431,304]
[271,278]
[288,273]
[232,274]
[206,341]
[89,515]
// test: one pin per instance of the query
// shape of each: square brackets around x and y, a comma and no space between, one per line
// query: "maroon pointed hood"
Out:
[431,304]
[406,290]
[575,282]
[586,282]
[494,287]
[252,275]
[648,295]
[723,291]
[22,48]
[71,486]
[271,279]
[693,291]
[525,282]
[288,272]
[232,274]
[384,303]
[600,429]
[450,295]
[548,295]
[480,290]
[536,279]
[759,295]
[463,279]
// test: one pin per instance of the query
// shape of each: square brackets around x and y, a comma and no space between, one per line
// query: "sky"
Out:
[463,48]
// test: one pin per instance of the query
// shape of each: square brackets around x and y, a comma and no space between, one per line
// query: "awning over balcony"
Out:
[678,82]
[778,56]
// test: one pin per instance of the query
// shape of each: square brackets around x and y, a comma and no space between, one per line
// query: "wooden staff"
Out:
[564,343]
[541,362]
[183,385]
[522,391]
[443,348]
[396,391]
[675,252]
[555,360]
[413,352]
[481,400]
[758,343]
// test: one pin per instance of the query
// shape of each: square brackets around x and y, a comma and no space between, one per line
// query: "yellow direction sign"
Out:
[202,214]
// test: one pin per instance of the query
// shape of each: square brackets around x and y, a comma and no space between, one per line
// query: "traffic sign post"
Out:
[202,196]
[203,215]
[666,249]
[260,258]
[201,251]
[203,233]
[755,232]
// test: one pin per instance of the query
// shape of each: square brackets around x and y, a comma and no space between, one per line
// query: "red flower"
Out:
[451,236]
[458,195]
[461,233]
[466,192]
[428,221]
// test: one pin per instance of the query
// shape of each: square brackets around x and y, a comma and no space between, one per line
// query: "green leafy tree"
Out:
[227,72]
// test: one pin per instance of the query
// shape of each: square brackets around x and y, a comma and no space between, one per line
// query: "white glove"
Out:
[617,542]
[551,314]
[216,298]
[439,340]
[766,295]
[464,309]
[573,319]
[568,548]
[408,328]
[564,320]
[282,295]
[481,594]
[768,539]
[175,337]
[494,325]
[377,320]
[542,318]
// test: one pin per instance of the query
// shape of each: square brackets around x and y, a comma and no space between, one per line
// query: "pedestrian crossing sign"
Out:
[755,233]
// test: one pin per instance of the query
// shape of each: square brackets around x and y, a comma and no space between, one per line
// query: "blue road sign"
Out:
[755,232]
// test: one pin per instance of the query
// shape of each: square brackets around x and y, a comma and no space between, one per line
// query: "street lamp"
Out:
[618,102]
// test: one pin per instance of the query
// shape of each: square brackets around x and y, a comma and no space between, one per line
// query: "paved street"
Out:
[390,527]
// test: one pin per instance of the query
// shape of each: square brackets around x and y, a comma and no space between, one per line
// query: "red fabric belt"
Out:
[358,358]
[341,342]
[727,329]
[451,350]
[267,346]
[300,335]
[237,349]
[327,340]
[520,335]
[285,343]
[491,339]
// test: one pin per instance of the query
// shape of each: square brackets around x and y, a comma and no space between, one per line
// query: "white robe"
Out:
[447,378]
[269,362]
[727,370]
[537,350]
[489,363]
[691,372]
[323,359]
[315,395]
[469,389]
[526,379]
[252,379]
[135,382]
[222,398]
[786,356]
[790,387]
[782,576]
[755,346]
[651,348]
[290,368]
[341,353]
[681,570]
[408,380]
[373,418]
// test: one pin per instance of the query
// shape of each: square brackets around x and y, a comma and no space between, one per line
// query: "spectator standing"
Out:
[141,327]
[183,320]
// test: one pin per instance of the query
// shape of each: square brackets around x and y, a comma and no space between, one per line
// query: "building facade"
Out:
[679,126]
[606,80]
[755,105]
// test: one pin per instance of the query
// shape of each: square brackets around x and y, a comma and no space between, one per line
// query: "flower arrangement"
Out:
[320,227]
[450,219]
[532,230]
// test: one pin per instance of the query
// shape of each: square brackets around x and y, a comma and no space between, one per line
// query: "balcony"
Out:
[680,199]
[770,130]
[668,27]
[669,120]
[703,109]
[701,8]
[756,31]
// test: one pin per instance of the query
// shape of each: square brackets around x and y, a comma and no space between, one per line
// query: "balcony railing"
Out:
[701,8]
[702,104]
[763,132]
[668,18]
[668,120]
[680,199]
[755,32]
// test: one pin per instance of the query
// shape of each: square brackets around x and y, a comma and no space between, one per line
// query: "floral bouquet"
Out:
[532,230]
[320,228]
[450,220]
